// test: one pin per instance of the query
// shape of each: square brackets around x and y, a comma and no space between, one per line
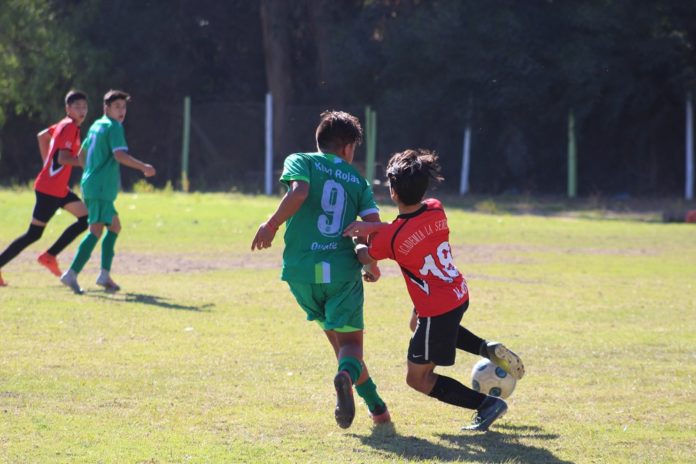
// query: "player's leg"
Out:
[365,387]
[107,247]
[74,206]
[434,343]
[45,207]
[344,317]
[96,215]
[498,353]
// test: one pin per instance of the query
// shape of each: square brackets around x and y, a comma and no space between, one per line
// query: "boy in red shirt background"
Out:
[59,146]
[418,240]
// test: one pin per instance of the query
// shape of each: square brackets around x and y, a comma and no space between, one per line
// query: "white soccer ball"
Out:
[490,379]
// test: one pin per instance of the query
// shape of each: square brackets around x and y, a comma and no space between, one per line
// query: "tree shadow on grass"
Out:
[499,445]
[152,300]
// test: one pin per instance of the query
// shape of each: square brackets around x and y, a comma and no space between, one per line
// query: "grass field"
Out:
[204,356]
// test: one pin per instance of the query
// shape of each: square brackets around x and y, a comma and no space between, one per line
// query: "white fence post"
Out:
[466,156]
[268,177]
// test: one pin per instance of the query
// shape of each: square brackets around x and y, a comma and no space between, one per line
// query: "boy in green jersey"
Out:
[101,155]
[325,194]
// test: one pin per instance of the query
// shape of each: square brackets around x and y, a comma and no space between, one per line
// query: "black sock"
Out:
[469,342]
[450,391]
[68,235]
[33,234]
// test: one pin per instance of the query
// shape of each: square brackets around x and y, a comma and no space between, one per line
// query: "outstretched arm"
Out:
[289,205]
[363,228]
[127,160]
[371,272]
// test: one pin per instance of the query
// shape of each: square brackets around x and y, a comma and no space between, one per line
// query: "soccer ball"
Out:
[490,379]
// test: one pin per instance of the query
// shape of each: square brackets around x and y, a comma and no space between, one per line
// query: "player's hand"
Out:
[148,170]
[361,229]
[264,237]
[371,272]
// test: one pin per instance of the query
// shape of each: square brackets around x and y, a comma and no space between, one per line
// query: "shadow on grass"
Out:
[152,300]
[501,444]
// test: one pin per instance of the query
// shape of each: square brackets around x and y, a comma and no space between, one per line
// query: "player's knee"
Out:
[82,223]
[34,233]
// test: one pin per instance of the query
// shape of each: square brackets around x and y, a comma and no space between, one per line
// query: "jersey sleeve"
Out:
[367,202]
[295,168]
[64,138]
[380,244]
[117,138]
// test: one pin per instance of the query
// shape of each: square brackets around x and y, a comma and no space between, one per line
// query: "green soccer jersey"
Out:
[315,250]
[101,177]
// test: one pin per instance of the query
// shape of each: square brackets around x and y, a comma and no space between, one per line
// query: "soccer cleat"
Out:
[491,409]
[2,282]
[503,358]
[345,405]
[49,262]
[380,415]
[104,280]
[69,279]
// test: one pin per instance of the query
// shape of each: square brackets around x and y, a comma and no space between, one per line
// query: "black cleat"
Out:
[345,405]
[491,409]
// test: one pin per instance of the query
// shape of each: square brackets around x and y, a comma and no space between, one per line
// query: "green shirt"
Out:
[101,177]
[315,250]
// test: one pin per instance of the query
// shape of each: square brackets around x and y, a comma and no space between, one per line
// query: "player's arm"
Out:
[289,205]
[66,159]
[44,140]
[132,162]
[361,250]
[371,271]
[364,228]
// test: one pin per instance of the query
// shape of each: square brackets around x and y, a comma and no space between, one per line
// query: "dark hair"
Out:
[74,95]
[113,95]
[409,174]
[336,130]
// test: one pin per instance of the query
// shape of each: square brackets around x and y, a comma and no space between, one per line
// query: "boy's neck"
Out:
[408,209]
[337,155]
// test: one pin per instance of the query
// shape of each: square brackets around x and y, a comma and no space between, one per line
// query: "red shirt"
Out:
[419,243]
[54,177]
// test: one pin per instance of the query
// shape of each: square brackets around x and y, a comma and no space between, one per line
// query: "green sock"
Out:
[368,392]
[84,251]
[351,365]
[108,249]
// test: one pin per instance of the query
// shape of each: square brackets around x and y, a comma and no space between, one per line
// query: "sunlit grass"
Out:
[205,357]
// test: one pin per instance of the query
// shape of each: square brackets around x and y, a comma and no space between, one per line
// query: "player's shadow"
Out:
[155,300]
[499,445]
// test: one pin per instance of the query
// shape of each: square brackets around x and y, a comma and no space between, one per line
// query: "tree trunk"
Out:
[277,45]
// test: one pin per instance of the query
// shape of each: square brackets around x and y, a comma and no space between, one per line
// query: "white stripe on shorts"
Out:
[427,340]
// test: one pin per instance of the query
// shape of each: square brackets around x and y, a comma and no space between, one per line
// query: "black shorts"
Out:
[435,338]
[47,205]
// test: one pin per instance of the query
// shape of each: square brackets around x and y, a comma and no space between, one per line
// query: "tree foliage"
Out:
[512,70]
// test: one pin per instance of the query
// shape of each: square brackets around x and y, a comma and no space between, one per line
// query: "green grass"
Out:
[204,356]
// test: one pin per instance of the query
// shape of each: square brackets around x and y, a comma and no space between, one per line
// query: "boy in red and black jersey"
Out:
[59,146]
[418,240]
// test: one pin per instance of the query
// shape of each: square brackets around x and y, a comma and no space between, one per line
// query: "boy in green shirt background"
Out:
[325,194]
[101,155]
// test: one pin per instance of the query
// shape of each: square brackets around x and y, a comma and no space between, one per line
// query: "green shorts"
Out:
[100,211]
[335,306]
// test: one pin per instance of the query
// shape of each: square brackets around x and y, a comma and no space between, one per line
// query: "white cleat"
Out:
[69,279]
[504,358]
[104,280]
